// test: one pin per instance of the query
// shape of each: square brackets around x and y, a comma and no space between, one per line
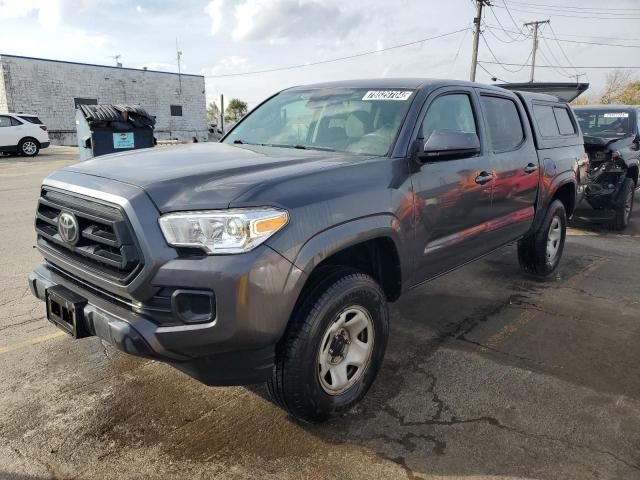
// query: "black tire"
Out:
[532,249]
[28,147]
[295,383]
[624,205]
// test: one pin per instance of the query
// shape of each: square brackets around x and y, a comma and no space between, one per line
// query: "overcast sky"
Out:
[220,37]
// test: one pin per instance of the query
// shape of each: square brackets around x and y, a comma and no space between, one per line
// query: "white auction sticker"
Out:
[616,115]
[398,95]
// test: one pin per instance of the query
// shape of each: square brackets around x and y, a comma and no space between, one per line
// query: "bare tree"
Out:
[618,82]
[622,87]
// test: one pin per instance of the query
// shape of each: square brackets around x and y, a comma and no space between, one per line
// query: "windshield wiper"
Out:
[299,147]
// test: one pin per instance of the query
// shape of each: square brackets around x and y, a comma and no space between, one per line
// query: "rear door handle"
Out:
[530,168]
[483,178]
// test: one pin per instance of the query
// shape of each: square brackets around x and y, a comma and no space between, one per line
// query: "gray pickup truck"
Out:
[271,256]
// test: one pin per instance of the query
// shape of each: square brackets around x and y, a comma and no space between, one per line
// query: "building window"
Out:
[84,101]
[176,110]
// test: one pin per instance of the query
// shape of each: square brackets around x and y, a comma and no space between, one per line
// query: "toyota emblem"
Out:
[68,228]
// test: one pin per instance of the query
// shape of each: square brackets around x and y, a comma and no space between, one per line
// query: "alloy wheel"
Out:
[29,147]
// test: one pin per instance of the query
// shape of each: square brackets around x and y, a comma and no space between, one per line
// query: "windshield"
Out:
[355,120]
[605,123]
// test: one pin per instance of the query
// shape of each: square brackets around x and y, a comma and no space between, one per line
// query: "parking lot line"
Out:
[31,341]
[528,315]
[508,330]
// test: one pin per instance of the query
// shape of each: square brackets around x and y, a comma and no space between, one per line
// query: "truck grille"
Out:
[106,244]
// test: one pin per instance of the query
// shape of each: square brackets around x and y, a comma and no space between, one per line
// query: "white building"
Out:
[52,89]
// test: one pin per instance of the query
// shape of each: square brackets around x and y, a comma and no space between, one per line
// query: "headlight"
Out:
[222,231]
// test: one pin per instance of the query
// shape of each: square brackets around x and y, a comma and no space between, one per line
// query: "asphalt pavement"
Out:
[488,374]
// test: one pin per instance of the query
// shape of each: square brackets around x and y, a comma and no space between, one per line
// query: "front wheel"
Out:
[333,346]
[624,206]
[539,253]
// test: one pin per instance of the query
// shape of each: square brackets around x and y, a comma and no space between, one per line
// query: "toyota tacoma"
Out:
[272,255]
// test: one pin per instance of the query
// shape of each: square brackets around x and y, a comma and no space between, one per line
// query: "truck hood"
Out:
[207,175]
[592,141]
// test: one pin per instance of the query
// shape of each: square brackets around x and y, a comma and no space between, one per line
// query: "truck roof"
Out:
[412,83]
[527,96]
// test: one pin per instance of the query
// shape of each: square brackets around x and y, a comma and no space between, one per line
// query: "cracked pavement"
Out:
[488,374]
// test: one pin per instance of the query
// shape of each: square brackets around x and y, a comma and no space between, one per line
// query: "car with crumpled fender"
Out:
[612,142]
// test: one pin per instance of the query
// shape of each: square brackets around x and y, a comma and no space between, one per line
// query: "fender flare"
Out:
[334,239]
[560,180]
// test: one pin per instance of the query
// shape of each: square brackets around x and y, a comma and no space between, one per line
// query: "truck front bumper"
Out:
[254,298]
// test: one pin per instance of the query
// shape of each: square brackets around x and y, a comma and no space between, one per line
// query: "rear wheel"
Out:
[540,252]
[28,147]
[624,206]
[333,346]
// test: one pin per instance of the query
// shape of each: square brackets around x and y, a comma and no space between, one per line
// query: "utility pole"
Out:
[222,113]
[179,56]
[535,26]
[578,75]
[476,36]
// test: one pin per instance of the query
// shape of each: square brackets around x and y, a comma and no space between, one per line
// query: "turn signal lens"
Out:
[270,224]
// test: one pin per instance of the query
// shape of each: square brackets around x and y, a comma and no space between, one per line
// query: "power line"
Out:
[554,13]
[600,36]
[569,7]
[628,67]
[561,49]
[498,61]
[491,75]
[602,44]
[455,59]
[563,73]
[490,30]
[511,16]
[338,59]
[520,33]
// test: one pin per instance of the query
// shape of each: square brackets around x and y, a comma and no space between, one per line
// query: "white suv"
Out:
[22,134]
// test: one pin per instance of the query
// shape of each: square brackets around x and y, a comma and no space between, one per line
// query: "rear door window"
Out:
[565,125]
[34,120]
[504,123]
[5,121]
[546,120]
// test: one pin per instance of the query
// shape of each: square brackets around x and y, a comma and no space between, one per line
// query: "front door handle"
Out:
[483,178]
[530,168]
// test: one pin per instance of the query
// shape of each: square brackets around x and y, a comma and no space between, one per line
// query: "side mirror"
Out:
[449,144]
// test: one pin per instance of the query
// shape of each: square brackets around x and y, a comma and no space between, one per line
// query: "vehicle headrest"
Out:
[357,124]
